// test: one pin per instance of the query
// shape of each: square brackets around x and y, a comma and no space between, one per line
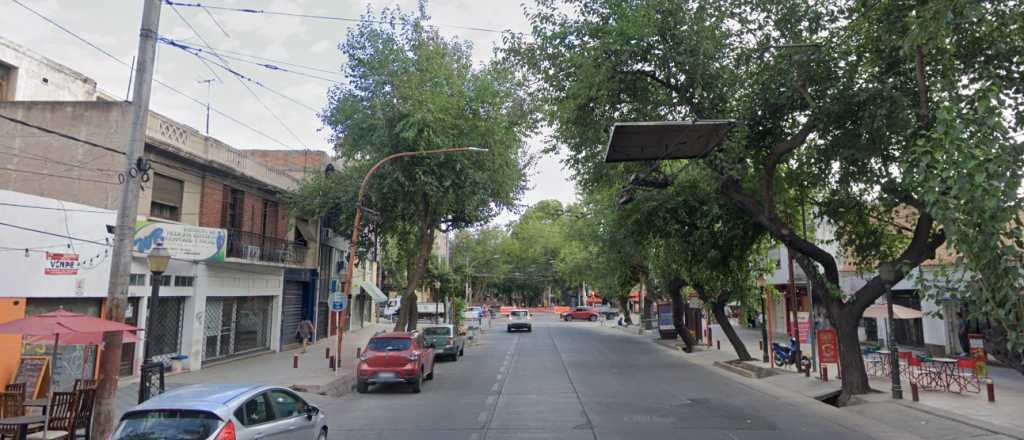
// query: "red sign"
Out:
[828,346]
[61,264]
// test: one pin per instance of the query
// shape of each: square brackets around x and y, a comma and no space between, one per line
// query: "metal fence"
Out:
[252,246]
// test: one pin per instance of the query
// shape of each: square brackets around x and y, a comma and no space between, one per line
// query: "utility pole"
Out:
[121,259]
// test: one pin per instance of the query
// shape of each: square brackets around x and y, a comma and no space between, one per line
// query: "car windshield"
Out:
[388,344]
[519,314]
[167,424]
[437,331]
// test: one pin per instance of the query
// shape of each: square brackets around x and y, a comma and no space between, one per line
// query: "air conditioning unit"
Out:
[252,252]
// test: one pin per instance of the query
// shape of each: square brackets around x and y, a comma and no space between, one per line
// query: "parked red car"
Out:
[584,313]
[397,357]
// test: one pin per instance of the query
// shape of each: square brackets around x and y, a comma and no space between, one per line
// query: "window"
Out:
[286,405]
[165,280]
[7,76]
[167,194]
[268,225]
[231,212]
[184,281]
[254,411]
[169,423]
[389,344]
[137,279]
[437,331]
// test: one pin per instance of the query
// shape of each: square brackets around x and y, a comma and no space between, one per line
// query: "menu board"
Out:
[32,371]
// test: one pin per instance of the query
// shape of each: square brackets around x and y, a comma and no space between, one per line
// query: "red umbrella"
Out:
[80,338]
[61,323]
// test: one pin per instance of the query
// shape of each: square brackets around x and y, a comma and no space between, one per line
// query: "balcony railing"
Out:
[256,247]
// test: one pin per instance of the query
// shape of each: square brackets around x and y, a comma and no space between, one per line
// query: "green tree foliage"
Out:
[896,119]
[411,89]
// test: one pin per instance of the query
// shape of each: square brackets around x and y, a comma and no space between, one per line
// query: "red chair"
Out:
[966,377]
[923,375]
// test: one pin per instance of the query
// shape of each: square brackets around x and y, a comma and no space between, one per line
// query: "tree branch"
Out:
[922,88]
[779,151]
[679,90]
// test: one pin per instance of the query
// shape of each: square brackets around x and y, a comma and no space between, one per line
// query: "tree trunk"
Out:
[425,244]
[675,293]
[855,377]
[625,310]
[718,308]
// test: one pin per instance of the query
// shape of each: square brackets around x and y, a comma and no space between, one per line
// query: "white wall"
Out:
[42,79]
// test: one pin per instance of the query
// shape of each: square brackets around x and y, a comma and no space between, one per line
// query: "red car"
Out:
[397,357]
[582,313]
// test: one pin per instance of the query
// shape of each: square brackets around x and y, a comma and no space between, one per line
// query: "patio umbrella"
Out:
[61,323]
[880,311]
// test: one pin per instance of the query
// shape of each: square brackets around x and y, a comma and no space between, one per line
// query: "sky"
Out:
[280,113]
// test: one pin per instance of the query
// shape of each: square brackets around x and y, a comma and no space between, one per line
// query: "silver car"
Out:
[223,412]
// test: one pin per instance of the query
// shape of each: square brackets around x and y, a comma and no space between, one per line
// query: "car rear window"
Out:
[437,331]
[167,425]
[389,344]
[519,314]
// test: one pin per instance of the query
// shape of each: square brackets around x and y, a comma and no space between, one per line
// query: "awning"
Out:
[373,291]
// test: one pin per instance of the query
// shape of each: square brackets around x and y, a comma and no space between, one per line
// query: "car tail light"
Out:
[363,356]
[227,432]
[414,356]
[449,341]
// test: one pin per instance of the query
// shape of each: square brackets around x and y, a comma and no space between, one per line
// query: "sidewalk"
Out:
[938,415]
[312,376]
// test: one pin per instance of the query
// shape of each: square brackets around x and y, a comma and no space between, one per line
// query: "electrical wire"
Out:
[156,80]
[19,205]
[285,63]
[241,78]
[207,49]
[317,17]
[80,179]
[39,231]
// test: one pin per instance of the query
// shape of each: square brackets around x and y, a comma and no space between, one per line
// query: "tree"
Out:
[410,89]
[852,105]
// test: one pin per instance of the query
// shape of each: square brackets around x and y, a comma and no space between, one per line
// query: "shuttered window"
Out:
[167,195]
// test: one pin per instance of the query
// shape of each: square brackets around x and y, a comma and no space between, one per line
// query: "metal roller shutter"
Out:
[291,312]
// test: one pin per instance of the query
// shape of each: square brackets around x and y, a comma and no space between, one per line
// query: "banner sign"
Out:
[184,242]
[338,301]
[828,346]
[61,264]
[803,326]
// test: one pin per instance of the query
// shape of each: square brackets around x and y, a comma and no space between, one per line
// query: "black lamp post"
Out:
[764,327]
[158,259]
[887,272]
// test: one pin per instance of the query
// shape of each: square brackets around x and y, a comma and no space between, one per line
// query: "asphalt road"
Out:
[573,381]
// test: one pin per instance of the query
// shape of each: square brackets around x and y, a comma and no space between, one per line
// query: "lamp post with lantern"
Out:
[159,257]
[887,272]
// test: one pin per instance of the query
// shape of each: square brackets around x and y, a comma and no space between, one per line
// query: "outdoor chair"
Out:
[11,404]
[86,399]
[922,374]
[84,383]
[873,363]
[966,376]
[63,413]
[16,388]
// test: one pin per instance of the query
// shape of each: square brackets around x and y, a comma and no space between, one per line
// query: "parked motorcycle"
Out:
[786,355]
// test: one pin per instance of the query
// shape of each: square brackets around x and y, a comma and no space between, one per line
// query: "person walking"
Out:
[305,332]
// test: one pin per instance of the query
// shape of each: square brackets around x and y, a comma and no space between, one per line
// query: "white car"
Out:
[519,319]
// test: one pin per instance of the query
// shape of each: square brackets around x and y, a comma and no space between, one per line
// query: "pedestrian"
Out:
[961,331]
[305,332]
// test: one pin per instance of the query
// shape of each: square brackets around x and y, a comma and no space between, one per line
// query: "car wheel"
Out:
[509,329]
[418,383]
[323,434]
[568,318]
[362,386]
[593,318]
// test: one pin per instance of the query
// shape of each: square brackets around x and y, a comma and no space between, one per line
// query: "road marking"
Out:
[482,417]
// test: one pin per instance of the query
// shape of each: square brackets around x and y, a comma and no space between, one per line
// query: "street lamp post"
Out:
[342,315]
[887,272]
[158,260]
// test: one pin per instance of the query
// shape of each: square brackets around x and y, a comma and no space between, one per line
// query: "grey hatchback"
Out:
[223,412]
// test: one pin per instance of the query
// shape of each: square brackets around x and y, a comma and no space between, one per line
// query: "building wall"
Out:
[10,345]
[299,164]
[192,186]
[40,79]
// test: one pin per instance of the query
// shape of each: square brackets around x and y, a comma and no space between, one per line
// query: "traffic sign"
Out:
[338,302]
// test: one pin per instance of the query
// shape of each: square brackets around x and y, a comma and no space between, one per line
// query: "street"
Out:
[574,381]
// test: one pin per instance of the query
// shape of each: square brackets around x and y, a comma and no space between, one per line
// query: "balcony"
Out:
[260,248]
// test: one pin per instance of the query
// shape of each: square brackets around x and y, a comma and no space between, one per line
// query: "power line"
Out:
[201,48]
[239,77]
[57,133]
[285,63]
[164,84]
[82,179]
[38,231]
[317,17]
[19,205]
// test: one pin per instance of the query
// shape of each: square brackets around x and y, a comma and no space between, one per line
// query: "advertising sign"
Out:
[803,326]
[828,346]
[338,302]
[61,264]
[184,242]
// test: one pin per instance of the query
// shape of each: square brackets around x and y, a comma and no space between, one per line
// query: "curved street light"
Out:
[343,315]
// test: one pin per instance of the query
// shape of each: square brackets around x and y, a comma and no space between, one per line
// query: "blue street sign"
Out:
[338,302]
[334,285]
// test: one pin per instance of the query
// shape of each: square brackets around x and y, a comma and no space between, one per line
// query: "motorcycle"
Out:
[786,355]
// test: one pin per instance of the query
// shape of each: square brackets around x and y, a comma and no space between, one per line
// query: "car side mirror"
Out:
[311,411]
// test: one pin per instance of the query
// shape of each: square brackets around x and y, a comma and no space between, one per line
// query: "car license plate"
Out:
[386,375]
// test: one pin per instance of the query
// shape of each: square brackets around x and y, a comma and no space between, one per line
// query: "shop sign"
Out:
[337,302]
[61,264]
[828,346]
[184,242]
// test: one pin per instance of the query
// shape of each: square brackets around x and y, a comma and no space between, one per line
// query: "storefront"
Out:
[73,361]
[236,326]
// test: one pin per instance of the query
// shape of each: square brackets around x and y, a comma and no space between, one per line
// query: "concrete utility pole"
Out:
[121,259]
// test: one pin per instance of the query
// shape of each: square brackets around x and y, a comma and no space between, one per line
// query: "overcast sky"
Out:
[114,25]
